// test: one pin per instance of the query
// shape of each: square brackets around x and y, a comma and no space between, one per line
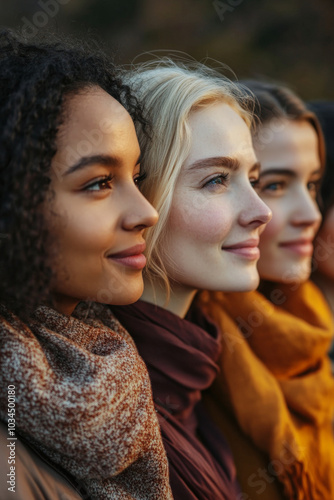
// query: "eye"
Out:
[217,181]
[274,187]
[100,184]
[254,182]
[139,179]
[313,187]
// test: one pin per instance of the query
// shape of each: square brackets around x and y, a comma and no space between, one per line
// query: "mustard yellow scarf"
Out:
[276,383]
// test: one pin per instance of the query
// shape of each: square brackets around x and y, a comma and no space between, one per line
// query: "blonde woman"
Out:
[200,170]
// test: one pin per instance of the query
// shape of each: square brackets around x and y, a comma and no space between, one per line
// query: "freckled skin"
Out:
[90,219]
[292,146]
[205,218]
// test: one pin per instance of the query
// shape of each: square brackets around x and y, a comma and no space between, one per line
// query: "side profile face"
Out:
[216,217]
[97,215]
[324,246]
[289,177]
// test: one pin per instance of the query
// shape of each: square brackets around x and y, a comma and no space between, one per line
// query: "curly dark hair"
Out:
[35,80]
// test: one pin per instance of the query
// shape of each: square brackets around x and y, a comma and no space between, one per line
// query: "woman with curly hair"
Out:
[77,418]
[200,170]
[274,397]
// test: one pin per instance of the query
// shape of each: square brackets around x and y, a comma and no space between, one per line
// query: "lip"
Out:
[301,246]
[131,257]
[248,249]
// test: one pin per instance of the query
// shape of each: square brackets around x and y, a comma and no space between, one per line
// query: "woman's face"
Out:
[324,246]
[216,216]
[289,176]
[98,215]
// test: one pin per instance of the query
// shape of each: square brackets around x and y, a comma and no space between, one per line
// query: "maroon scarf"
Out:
[181,358]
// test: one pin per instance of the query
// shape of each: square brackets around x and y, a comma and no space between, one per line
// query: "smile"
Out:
[303,247]
[131,257]
[248,249]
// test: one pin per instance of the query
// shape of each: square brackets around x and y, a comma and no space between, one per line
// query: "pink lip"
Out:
[131,257]
[248,249]
[302,246]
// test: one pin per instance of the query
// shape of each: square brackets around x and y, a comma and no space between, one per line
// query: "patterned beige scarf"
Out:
[83,399]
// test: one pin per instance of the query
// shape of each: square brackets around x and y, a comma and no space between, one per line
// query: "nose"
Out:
[306,211]
[139,213]
[253,211]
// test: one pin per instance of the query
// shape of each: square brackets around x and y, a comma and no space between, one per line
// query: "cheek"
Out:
[196,218]
[83,233]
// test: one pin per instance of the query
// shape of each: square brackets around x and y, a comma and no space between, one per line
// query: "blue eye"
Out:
[219,180]
[274,186]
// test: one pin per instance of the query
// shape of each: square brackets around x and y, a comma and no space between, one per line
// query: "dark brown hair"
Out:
[275,102]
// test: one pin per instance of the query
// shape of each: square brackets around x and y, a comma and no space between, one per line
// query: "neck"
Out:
[326,285]
[63,305]
[180,299]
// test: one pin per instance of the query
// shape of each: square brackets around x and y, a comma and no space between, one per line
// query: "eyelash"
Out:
[315,186]
[223,177]
[107,179]
[280,184]
[254,183]
[141,177]
[312,186]
[107,182]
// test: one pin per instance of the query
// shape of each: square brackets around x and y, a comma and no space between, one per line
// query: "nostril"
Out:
[140,227]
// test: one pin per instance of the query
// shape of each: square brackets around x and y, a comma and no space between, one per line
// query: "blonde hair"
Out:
[169,92]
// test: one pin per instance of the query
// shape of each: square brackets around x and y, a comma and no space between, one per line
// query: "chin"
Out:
[128,293]
[130,297]
[293,276]
[244,283]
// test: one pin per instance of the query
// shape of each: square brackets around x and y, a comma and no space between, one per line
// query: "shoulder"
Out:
[24,475]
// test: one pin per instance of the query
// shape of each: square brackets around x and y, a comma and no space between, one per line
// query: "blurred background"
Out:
[290,41]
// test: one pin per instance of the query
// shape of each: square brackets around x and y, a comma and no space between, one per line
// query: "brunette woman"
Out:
[274,396]
[72,221]
[200,170]
[324,243]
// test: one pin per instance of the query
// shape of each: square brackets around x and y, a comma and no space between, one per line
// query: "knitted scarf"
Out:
[276,381]
[84,401]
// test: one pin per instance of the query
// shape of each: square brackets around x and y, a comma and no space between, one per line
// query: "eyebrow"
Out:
[216,161]
[285,171]
[106,160]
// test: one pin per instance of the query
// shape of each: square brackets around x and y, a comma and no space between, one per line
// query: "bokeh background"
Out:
[289,41]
